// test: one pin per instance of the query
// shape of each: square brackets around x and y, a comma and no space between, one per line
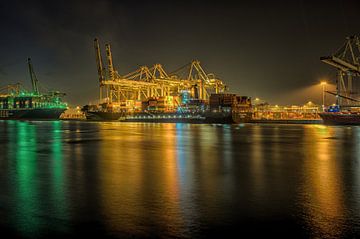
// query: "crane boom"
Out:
[342,96]
[110,62]
[34,81]
[347,62]
[99,61]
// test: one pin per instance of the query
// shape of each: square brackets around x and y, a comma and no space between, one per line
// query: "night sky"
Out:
[265,49]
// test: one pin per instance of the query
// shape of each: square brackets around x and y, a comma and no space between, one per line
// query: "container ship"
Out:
[18,103]
[220,109]
[150,94]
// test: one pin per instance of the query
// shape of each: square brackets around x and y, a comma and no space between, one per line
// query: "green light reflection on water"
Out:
[28,187]
[58,185]
[27,198]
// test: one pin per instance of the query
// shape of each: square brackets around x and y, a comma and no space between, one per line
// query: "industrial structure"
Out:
[19,103]
[308,111]
[151,94]
[128,90]
[347,62]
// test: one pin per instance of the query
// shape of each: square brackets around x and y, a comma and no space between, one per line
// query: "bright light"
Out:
[257,99]
[323,83]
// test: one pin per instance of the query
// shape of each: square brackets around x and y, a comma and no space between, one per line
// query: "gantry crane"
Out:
[147,82]
[347,61]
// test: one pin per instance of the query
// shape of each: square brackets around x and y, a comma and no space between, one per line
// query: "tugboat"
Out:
[18,103]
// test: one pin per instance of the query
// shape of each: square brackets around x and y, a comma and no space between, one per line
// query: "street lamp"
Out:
[323,83]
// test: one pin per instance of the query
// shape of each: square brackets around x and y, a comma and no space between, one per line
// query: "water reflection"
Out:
[37,176]
[323,182]
[179,180]
[23,151]
[139,178]
[257,161]
[58,191]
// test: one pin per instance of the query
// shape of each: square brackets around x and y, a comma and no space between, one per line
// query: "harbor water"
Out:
[124,180]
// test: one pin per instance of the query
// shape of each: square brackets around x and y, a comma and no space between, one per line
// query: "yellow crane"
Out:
[154,81]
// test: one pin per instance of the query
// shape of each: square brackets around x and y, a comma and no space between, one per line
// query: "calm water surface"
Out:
[178,180]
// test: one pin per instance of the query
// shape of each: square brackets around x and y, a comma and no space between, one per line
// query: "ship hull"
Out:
[206,118]
[227,117]
[31,114]
[165,118]
[103,116]
[340,119]
[157,120]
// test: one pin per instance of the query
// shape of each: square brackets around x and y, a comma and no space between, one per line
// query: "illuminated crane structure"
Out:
[11,89]
[18,88]
[347,61]
[147,82]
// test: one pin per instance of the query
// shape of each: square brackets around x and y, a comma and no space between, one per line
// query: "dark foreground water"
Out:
[65,179]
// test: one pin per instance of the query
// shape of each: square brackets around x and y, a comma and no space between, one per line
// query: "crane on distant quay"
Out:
[347,62]
[147,82]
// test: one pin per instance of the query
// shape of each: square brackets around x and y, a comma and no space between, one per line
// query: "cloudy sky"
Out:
[265,49]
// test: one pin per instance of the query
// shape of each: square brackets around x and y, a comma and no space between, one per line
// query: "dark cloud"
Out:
[259,48]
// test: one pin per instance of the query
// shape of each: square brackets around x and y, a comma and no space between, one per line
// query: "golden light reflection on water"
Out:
[127,173]
[257,160]
[356,176]
[323,182]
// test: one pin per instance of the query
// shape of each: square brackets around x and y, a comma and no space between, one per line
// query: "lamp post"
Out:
[323,83]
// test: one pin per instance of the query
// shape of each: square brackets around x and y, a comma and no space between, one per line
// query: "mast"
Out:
[34,81]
